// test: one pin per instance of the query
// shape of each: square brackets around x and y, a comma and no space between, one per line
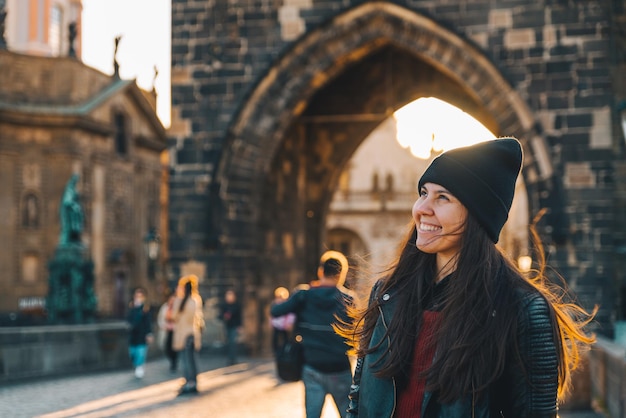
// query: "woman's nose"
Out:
[422,206]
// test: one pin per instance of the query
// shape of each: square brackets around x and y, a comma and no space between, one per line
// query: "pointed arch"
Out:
[255,218]
[283,93]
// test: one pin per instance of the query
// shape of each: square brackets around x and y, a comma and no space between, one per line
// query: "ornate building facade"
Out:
[371,208]
[43,28]
[59,117]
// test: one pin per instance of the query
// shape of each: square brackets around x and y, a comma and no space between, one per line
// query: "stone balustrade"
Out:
[55,350]
[607,367]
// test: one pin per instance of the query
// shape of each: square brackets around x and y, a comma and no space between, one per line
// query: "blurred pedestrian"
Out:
[140,331]
[165,320]
[281,325]
[230,314]
[326,366]
[188,325]
[454,329]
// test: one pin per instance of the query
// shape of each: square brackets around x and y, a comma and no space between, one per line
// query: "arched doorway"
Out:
[289,142]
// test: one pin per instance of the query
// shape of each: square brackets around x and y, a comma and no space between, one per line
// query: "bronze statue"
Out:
[156,73]
[3,16]
[72,36]
[71,295]
[71,213]
[116,65]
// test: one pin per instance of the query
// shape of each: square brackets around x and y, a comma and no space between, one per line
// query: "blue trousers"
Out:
[231,344]
[188,357]
[318,384]
[138,354]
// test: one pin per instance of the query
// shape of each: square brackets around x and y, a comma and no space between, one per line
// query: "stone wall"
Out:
[272,100]
[28,352]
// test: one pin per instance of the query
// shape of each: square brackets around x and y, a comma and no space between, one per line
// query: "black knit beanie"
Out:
[482,177]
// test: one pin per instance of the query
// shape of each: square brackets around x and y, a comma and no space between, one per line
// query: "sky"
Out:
[145,29]
[432,123]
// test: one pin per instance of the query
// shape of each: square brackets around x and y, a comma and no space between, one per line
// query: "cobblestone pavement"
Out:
[248,389]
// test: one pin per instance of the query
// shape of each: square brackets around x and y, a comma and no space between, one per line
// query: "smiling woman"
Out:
[454,329]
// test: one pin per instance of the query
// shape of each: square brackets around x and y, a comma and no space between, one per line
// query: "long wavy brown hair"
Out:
[478,320]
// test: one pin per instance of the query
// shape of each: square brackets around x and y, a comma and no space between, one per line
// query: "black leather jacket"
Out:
[517,394]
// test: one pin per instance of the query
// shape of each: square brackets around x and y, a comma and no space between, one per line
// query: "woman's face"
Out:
[439,218]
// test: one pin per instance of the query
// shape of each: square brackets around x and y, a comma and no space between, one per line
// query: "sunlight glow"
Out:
[432,124]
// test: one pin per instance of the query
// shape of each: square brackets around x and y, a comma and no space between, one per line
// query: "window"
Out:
[30,211]
[54,30]
[375,181]
[30,268]
[121,140]
[389,183]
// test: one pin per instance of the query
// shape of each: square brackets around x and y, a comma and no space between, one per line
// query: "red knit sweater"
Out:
[410,399]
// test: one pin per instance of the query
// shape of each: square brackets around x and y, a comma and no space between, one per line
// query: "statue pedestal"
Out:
[71,296]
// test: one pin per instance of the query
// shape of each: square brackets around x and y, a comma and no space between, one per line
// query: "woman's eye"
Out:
[422,193]
[443,197]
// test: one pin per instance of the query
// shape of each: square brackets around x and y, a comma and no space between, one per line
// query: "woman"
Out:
[187,329]
[455,330]
[165,319]
[281,325]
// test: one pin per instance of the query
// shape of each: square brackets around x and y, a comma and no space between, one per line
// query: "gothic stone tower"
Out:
[271,98]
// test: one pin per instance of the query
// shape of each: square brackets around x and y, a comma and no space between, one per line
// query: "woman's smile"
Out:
[439,218]
[424,227]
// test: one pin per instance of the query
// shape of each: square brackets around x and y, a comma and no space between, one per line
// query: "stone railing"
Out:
[607,367]
[37,351]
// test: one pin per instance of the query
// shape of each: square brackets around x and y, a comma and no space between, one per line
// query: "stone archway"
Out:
[286,89]
[459,73]
[288,143]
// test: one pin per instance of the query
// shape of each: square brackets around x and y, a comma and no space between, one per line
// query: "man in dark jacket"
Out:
[326,365]
[231,316]
[140,331]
